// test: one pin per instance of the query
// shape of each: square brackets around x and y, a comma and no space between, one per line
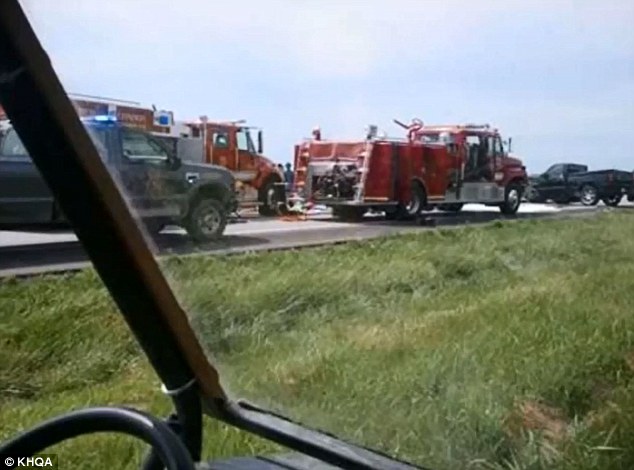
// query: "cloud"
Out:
[532,68]
[325,38]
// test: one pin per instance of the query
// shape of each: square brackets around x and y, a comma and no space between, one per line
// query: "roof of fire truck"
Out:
[239,124]
[459,129]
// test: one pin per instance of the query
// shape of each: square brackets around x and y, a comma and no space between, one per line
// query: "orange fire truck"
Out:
[440,167]
[238,147]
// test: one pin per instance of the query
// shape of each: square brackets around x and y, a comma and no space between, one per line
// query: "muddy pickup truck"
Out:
[161,188]
[564,183]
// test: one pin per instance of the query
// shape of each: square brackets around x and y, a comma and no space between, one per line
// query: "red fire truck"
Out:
[440,167]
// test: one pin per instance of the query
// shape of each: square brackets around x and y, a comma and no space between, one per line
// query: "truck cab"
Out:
[481,149]
[482,170]
[159,186]
[239,148]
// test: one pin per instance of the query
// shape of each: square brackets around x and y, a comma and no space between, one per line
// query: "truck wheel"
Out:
[206,221]
[589,195]
[612,201]
[415,205]
[455,207]
[268,199]
[533,195]
[512,199]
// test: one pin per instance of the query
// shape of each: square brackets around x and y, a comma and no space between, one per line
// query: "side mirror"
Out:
[260,145]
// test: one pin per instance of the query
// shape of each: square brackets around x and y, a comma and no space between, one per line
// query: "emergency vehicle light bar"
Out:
[476,126]
[100,118]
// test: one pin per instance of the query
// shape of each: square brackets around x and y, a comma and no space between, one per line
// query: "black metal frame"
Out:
[169,449]
[63,152]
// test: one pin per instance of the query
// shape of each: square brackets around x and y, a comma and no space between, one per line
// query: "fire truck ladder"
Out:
[302,177]
[366,155]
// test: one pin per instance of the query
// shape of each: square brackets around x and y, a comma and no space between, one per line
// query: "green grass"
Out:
[500,347]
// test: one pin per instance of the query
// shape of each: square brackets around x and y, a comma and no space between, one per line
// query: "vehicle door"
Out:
[570,170]
[220,148]
[495,154]
[24,195]
[145,173]
[247,167]
[475,147]
[553,183]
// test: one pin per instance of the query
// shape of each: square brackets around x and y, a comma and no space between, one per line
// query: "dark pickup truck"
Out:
[564,183]
[159,187]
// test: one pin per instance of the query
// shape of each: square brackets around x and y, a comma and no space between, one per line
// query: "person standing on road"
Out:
[288,177]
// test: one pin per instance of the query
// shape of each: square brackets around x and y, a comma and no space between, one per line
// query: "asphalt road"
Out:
[27,253]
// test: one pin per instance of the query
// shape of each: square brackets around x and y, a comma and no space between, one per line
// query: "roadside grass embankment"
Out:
[507,346]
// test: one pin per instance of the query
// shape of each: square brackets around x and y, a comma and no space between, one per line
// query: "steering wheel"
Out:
[168,446]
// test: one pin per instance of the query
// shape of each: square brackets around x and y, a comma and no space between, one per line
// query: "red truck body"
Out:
[438,166]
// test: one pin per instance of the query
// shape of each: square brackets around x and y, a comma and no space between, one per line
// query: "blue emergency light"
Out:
[103,118]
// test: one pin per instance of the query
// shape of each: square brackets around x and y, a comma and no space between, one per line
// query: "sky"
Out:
[556,76]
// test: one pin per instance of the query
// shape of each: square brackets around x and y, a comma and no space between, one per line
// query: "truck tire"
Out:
[613,201]
[268,199]
[533,195]
[589,195]
[414,206]
[206,221]
[512,199]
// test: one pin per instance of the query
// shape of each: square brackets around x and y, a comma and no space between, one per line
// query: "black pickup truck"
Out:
[564,183]
[160,187]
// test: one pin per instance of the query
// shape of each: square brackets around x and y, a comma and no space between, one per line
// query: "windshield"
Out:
[245,142]
[139,146]
[431,137]
[11,145]
[421,301]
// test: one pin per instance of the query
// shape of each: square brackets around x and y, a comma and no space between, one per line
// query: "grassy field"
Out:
[503,347]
